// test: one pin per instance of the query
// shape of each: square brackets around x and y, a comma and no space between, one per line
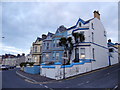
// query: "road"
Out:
[104,78]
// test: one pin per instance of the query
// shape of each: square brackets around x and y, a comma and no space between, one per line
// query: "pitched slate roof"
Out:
[38,39]
[61,29]
[50,34]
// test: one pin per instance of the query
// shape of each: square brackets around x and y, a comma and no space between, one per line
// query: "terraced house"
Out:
[57,50]
[89,49]
[36,50]
[95,41]
[47,48]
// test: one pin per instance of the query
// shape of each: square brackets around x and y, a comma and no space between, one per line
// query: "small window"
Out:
[53,55]
[92,26]
[92,37]
[82,50]
[35,49]
[47,56]
[57,43]
[54,43]
[79,24]
[105,33]
[111,50]
[57,56]
[47,46]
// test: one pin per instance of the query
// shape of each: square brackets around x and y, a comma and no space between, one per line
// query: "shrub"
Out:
[23,64]
[31,63]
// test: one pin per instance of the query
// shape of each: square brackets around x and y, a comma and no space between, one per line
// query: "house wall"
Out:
[58,49]
[9,61]
[47,52]
[100,46]
[98,41]
[36,52]
[57,71]
[101,57]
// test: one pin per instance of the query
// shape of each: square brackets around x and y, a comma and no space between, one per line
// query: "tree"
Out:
[68,46]
[78,37]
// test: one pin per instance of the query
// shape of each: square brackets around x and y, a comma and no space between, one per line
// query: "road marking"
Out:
[80,84]
[45,86]
[87,81]
[41,84]
[115,87]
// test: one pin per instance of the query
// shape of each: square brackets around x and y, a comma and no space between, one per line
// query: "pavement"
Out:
[34,78]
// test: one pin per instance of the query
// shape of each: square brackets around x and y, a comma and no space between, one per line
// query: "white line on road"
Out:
[46,86]
[80,84]
[87,81]
[115,87]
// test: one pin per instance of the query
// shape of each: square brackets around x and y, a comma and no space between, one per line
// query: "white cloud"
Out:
[11,49]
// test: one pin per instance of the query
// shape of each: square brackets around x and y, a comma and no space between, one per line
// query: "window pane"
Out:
[82,50]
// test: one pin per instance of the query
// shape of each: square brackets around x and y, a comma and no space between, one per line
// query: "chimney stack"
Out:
[96,14]
[44,36]
[109,40]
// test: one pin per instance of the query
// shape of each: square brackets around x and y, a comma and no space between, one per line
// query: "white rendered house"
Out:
[94,48]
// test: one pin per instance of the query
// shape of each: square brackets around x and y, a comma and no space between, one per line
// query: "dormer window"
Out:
[79,24]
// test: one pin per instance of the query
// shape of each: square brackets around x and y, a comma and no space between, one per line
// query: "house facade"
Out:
[57,51]
[36,51]
[47,48]
[12,60]
[95,44]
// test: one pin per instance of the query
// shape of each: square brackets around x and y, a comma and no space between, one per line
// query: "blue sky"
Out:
[23,22]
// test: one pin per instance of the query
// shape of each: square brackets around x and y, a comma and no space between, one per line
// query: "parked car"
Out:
[12,67]
[4,67]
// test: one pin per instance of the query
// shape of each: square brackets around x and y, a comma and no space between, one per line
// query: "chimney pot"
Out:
[96,14]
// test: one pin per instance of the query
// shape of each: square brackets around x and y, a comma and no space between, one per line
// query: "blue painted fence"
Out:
[32,70]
